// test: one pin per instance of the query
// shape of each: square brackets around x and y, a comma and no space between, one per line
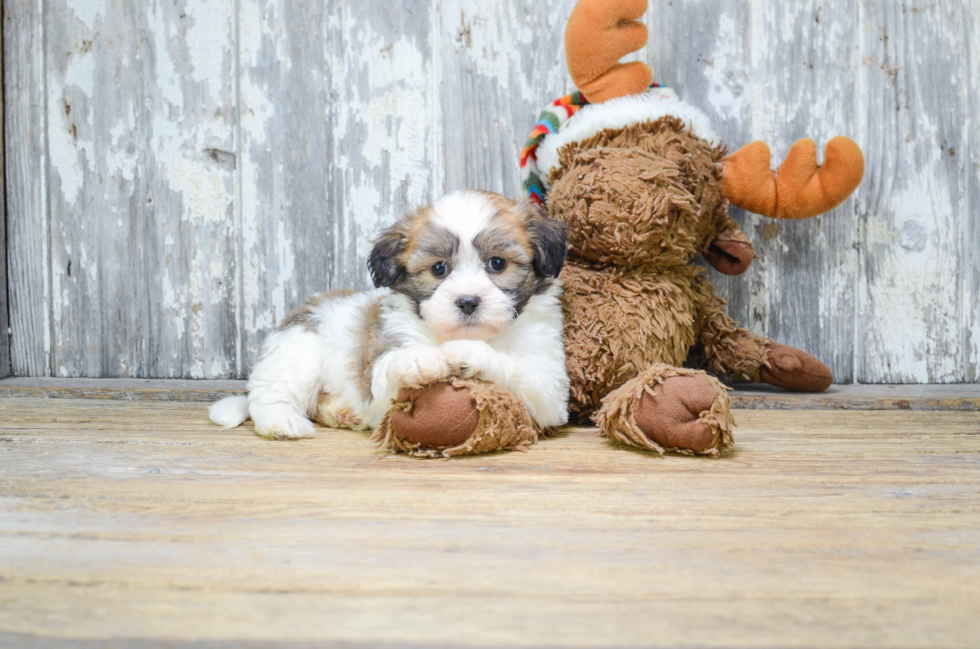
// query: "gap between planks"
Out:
[962,397]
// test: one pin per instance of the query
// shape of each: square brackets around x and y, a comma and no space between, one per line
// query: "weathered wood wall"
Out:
[4,324]
[181,173]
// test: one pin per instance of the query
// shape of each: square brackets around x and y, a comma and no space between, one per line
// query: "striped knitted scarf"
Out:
[551,120]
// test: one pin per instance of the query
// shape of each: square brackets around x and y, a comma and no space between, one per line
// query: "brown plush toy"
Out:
[456,418]
[644,186]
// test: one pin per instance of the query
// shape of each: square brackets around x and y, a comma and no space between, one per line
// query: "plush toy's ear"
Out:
[730,253]
[383,263]
[549,238]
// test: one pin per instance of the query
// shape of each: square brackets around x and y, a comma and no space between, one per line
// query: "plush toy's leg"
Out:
[669,409]
[746,356]
[456,418]
[733,351]
[794,369]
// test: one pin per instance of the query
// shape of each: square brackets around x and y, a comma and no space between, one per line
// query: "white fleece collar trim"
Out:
[619,113]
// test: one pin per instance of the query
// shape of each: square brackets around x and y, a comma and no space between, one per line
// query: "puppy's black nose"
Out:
[468,304]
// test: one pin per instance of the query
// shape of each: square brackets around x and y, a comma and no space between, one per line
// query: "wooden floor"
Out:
[142,523]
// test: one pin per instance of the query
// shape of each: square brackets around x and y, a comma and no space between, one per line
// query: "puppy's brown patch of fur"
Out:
[374,342]
[303,316]
[509,237]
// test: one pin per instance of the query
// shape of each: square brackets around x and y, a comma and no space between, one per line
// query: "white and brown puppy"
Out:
[466,287]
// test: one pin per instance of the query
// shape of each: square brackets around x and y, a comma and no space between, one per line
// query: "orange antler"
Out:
[599,33]
[799,189]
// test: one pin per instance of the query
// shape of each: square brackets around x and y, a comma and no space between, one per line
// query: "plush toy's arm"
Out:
[737,352]
[728,348]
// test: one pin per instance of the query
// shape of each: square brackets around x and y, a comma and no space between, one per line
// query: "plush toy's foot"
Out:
[792,369]
[456,418]
[669,409]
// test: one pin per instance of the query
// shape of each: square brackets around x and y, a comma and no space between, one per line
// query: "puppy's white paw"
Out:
[468,359]
[284,426]
[419,366]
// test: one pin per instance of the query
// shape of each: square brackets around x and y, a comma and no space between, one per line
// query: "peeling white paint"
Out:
[727,92]
[907,297]
[122,159]
[260,26]
[167,78]
[209,33]
[71,154]
[87,11]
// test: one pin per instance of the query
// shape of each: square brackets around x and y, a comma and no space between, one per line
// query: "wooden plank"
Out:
[341,134]
[913,201]
[501,64]
[26,187]
[861,397]
[4,314]
[198,391]
[141,126]
[288,212]
[92,105]
[140,521]
[188,187]
[971,247]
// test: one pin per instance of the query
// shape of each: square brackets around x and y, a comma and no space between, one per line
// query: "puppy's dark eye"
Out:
[439,269]
[497,265]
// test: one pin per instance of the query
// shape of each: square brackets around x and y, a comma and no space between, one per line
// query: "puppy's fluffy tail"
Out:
[230,412]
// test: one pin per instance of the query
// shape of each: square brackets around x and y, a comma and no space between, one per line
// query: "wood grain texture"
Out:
[95,213]
[286,152]
[189,140]
[4,315]
[501,63]
[915,83]
[341,135]
[141,115]
[213,162]
[26,183]
[971,260]
[141,521]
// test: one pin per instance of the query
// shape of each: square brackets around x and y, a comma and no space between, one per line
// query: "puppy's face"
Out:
[470,262]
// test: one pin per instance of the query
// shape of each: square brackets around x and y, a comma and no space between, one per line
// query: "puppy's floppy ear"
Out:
[383,263]
[549,238]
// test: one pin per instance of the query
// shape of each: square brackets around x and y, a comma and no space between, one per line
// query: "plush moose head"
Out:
[647,194]
[651,191]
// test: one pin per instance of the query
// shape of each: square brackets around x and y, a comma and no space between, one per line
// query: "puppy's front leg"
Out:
[410,367]
[539,380]
[475,359]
